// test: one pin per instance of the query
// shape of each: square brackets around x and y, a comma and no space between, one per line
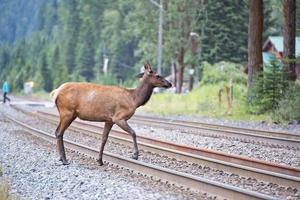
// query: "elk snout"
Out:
[167,84]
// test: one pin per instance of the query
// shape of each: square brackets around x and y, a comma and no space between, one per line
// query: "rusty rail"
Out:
[273,137]
[262,170]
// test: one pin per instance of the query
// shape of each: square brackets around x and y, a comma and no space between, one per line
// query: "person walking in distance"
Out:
[5,90]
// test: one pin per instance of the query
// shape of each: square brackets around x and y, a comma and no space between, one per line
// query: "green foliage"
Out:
[298,17]
[47,79]
[72,30]
[223,72]
[225,32]
[59,70]
[76,36]
[202,101]
[288,108]
[270,86]
[108,79]
[86,62]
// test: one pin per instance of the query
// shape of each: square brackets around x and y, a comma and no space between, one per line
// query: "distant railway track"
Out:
[261,170]
[261,136]
[166,175]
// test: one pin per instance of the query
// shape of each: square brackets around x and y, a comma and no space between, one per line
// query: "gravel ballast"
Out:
[206,172]
[203,139]
[31,168]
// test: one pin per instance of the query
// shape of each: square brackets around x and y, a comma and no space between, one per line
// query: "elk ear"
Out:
[147,65]
[140,75]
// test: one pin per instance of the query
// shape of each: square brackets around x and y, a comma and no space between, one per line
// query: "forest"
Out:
[106,42]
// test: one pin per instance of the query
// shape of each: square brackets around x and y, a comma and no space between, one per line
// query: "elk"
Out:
[109,104]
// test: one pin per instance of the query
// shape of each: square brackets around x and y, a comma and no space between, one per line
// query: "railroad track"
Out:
[256,135]
[152,171]
[261,170]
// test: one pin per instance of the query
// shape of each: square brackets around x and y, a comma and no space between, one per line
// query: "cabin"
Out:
[273,49]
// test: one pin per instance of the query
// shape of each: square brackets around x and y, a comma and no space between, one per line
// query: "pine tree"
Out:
[255,31]
[271,24]
[45,72]
[86,62]
[298,17]
[225,33]
[4,59]
[16,74]
[289,41]
[72,34]
[59,71]
[269,87]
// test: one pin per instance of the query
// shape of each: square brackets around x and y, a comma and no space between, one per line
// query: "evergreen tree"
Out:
[269,87]
[45,72]
[271,25]
[59,71]
[4,59]
[298,17]
[86,62]
[255,31]
[72,34]
[16,75]
[225,33]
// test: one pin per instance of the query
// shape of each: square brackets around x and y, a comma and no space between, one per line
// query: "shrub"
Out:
[270,86]
[289,106]
[222,72]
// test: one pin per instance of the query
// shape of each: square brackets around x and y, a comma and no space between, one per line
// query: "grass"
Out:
[4,194]
[203,101]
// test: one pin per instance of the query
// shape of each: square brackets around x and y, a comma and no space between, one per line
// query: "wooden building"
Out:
[273,49]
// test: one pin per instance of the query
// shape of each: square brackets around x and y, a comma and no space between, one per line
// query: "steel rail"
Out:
[166,175]
[266,171]
[282,134]
[261,136]
[244,166]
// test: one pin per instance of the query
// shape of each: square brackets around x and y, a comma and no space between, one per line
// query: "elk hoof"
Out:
[65,162]
[100,162]
[135,156]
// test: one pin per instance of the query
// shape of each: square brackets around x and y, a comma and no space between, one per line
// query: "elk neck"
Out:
[142,93]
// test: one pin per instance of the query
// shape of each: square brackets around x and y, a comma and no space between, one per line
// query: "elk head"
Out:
[153,78]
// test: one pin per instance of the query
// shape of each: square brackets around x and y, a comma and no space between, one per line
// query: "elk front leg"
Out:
[124,125]
[106,130]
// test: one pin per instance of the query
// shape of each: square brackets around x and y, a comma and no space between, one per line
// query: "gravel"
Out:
[263,125]
[203,171]
[30,167]
[273,153]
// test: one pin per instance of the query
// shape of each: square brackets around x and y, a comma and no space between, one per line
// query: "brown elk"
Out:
[109,104]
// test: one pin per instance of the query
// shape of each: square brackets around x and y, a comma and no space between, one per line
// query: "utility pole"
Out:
[160,35]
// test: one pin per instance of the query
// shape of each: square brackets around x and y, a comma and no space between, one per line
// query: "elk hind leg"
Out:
[64,123]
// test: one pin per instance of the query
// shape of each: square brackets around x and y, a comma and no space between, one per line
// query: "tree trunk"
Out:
[174,73]
[191,77]
[181,70]
[289,34]
[194,53]
[255,29]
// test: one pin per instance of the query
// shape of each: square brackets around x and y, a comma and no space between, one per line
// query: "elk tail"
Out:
[54,93]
